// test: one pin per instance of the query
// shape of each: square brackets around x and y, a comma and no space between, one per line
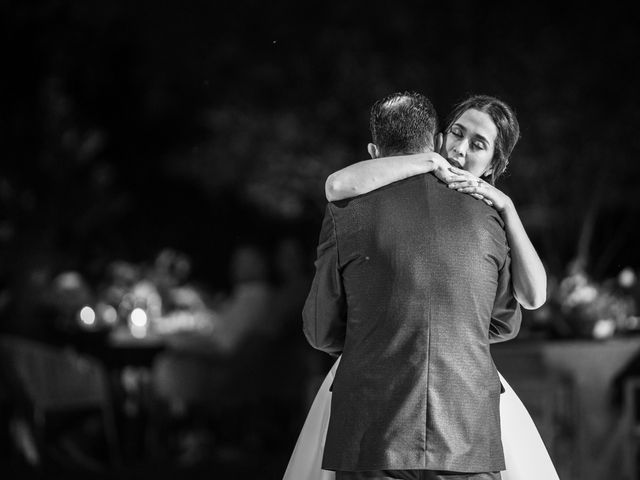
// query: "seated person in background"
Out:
[239,362]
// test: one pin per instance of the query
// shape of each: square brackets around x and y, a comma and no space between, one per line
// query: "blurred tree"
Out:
[135,126]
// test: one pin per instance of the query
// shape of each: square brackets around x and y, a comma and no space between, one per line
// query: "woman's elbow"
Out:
[331,188]
[533,301]
[334,189]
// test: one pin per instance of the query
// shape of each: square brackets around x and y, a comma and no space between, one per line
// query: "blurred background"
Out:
[161,191]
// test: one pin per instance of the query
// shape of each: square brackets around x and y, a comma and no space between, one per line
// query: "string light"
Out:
[138,317]
[87,316]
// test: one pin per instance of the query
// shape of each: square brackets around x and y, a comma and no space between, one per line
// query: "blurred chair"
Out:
[50,388]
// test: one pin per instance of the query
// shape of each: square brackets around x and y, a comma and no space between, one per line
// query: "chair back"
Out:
[50,377]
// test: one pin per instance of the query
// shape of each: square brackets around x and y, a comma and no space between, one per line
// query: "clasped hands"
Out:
[465,182]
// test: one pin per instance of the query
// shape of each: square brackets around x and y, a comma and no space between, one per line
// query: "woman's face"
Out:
[470,142]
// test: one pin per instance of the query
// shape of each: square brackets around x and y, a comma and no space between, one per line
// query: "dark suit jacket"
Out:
[412,284]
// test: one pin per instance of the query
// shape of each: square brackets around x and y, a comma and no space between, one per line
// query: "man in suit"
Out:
[412,284]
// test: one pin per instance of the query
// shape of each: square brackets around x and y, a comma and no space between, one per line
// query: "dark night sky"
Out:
[133,125]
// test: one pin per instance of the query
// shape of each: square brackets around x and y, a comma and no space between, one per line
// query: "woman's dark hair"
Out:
[506,124]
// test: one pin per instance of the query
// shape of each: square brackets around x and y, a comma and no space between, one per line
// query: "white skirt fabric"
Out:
[526,456]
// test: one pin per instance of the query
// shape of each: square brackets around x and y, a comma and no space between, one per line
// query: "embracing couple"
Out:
[422,263]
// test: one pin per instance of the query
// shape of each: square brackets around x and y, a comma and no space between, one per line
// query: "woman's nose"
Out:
[461,147]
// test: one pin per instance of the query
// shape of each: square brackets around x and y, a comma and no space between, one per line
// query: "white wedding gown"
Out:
[526,456]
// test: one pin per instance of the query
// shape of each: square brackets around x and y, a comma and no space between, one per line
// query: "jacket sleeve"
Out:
[506,315]
[324,312]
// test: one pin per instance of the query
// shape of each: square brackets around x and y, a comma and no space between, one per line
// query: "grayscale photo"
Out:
[304,240]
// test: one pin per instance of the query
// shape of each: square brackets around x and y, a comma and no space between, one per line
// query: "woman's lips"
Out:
[455,163]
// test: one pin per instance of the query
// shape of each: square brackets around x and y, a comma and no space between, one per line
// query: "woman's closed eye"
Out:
[456,132]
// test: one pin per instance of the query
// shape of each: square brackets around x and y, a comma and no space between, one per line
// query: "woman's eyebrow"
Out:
[476,136]
[481,137]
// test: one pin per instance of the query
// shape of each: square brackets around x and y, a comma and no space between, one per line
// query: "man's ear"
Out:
[438,142]
[373,150]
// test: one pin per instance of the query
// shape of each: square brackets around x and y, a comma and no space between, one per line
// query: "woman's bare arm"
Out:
[528,274]
[368,175]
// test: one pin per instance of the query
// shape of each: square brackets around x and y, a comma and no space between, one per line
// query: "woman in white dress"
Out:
[481,161]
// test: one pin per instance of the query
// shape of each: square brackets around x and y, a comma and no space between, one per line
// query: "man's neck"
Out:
[402,153]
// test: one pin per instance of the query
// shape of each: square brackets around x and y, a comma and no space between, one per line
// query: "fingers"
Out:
[478,189]
[469,180]
[467,186]
[450,177]
[467,189]
[462,184]
[457,171]
[460,175]
[480,197]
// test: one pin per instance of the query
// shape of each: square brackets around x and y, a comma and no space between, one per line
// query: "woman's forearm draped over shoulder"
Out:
[527,272]
[368,175]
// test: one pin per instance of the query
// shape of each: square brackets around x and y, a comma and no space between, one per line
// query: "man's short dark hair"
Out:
[403,123]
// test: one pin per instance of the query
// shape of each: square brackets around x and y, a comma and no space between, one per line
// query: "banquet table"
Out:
[568,386]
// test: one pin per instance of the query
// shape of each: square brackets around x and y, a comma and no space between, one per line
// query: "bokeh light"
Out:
[87,316]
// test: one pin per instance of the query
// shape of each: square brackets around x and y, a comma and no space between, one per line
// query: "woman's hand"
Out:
[441,168]
[478,188]
[429,162]
[446,172]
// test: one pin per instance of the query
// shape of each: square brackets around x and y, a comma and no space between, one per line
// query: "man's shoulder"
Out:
[390,190]
[426,196]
